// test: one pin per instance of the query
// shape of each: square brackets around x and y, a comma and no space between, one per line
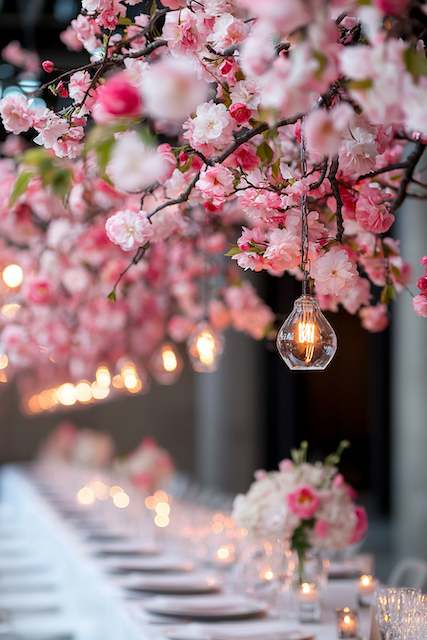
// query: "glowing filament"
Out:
[169,359]
[205,346]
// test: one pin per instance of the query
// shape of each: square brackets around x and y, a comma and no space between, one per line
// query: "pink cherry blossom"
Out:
[333,272]
[215,183]
[171,89]
[374,318]
[371,213]
[129,229]
[303,502]
[16,115]
[119,97]
[212,125]
[419,303]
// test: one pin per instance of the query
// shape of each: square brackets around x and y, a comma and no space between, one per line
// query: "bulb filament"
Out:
[306,337]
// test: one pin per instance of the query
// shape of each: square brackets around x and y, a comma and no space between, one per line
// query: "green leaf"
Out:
[388,294]
[234,251]
[360,85]
[275,169]
[125,22]
[20,186]
[322,61]
[35,157]
[103,153]
[415,62]
[61,182]
[265,152]
[112,296]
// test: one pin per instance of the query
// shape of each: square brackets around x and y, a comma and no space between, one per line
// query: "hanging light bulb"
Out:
[205,347]
[166,364]
[306,340]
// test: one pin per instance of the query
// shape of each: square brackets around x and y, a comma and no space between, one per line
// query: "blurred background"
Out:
[221,427]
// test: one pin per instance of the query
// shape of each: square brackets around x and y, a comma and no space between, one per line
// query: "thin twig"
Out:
[412,161]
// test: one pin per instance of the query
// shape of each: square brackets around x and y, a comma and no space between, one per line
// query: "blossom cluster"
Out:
[80,447]
[149,467]
[201,129]
[302,503]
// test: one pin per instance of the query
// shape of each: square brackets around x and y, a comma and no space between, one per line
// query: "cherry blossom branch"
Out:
[412,161]
[332,177]
[179,200]
[141,251]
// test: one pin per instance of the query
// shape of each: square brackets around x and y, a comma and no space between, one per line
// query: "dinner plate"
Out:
[150,564]
[124,548]
[171,583]
[213,607]
[254,630]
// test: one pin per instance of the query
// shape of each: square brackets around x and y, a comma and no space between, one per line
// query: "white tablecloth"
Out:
[94,608]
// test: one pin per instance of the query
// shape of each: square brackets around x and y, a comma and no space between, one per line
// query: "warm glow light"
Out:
[115,489]
[98,392]
[13,276]
[223,553]
[162,508]
[161,521]
[3,377]
[100,489]
[118,381]
[86,496]
[121,500]
[103,376]
[268,575]
[204,348]
[366,580]
[4,361]
[169,359]
[306,340]
[83,391]
[10,310]
[66,394]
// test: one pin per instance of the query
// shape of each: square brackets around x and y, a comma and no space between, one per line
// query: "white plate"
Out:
[171,583]
[254,630]
[213,607]
[126,548]
[156,564]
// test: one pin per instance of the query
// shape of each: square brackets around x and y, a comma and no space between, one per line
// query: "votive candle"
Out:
[347,623]
[366,589]
[308,602]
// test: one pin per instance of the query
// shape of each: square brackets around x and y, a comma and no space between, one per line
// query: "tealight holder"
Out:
[308,599]
[347,623]
[366,590]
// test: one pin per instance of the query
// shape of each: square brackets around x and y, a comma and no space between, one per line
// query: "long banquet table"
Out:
[87,603]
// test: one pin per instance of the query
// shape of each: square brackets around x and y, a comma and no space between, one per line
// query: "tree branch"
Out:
[412,161]
[332,177]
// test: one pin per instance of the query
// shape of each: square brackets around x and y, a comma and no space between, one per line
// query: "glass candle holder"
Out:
[347,623]
[366,590]
[308,599]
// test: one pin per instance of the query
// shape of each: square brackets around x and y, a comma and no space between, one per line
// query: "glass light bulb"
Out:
[205,347]
[166,364]
[306,340]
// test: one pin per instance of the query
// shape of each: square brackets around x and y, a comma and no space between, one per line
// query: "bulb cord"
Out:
[305,262]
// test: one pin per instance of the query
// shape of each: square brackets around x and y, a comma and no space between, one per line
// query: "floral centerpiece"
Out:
[309,506]
[149,467]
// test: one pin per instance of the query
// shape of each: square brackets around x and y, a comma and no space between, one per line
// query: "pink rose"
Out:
[17,116]
[321,529]
[419,303]
[361,525]
[303,502]
[119,97]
